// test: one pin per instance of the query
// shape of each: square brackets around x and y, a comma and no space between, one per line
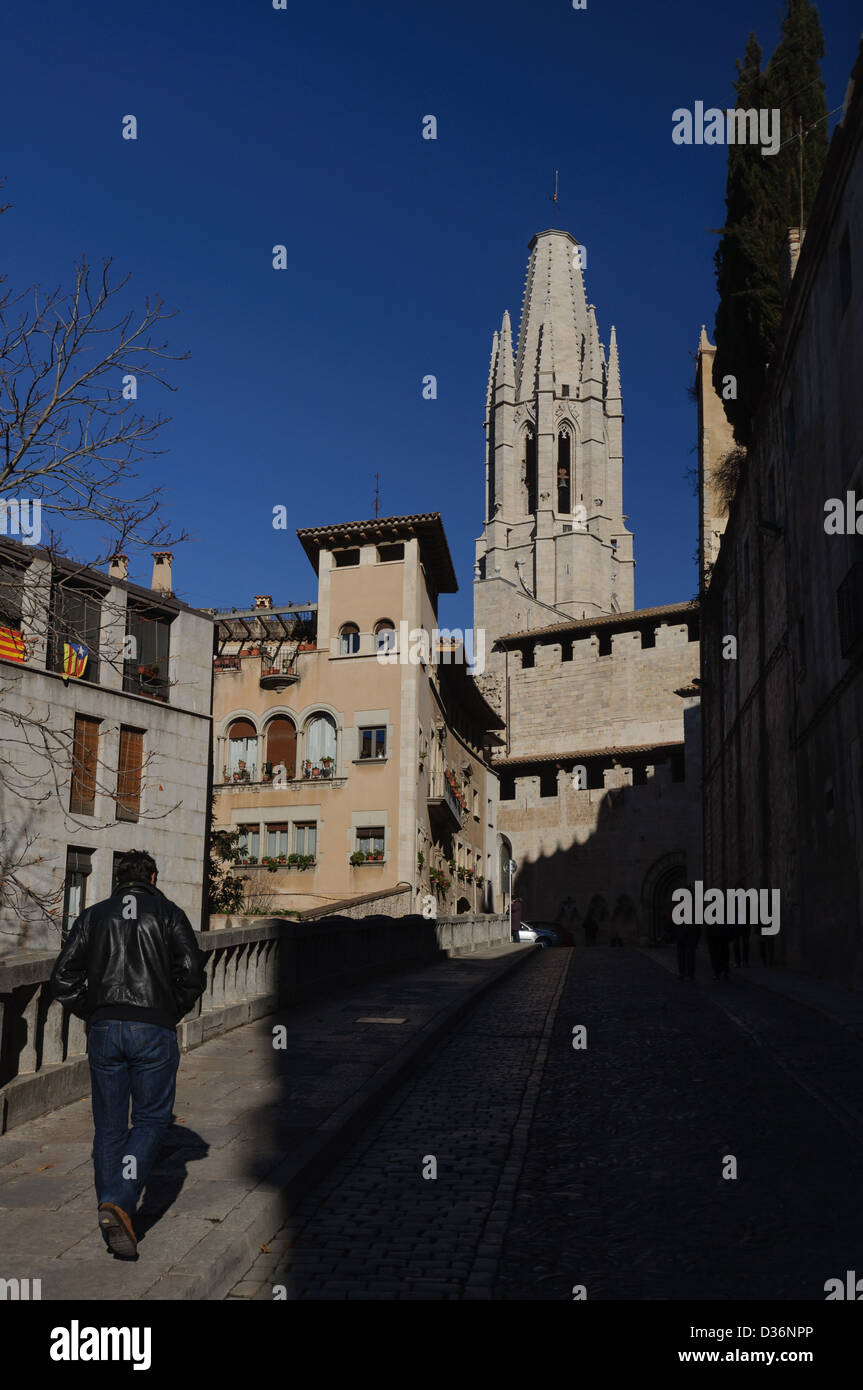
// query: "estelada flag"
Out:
[74,659]
[12,645]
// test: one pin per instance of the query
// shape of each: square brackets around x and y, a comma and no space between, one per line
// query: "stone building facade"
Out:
[599,772]
[113,759]
[352,753]
[782,645]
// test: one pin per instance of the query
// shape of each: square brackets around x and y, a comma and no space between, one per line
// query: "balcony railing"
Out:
[443,804]
[278,672]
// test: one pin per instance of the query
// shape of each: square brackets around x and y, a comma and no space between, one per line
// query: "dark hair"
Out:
[135,864]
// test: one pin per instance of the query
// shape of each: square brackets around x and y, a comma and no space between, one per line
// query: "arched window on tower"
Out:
[564,470]
[530,478]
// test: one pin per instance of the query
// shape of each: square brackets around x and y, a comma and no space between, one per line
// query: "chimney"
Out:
[791,255]
[119,567]
[263,600]
[162,571]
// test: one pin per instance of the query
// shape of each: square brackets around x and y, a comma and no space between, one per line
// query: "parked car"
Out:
[545,934]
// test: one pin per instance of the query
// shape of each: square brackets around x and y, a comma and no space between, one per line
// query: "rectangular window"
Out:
[564,390]
[373,743]
[129,768]
[371,841]
[306,837]
[507,787]
[148,638]
[475,804]
[342,558]
[11,594]
[249,843]
[388,553]
[85,757]
[79,863]
[548,782]
[277,841]
[76,617]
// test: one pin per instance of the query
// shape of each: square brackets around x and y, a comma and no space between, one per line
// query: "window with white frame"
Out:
[306,837]
[349,639]
[249,842]
[277,841]
[385,636]
[370,839]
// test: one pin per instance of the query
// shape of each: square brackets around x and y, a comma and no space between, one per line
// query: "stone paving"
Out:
[602,1167]
[243,1112]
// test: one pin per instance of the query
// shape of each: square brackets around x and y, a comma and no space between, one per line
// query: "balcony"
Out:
[443,805]
[278,672]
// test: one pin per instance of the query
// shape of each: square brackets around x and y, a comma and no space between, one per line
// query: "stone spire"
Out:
[505,375]
[591,381]
[613,396]
[554,291]
[492,372]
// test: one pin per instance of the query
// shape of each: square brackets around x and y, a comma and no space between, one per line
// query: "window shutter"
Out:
[129,768]
[85,757]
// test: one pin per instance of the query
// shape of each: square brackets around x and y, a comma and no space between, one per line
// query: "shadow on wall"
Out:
[610,888]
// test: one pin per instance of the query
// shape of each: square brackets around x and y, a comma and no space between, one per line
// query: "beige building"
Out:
[113,758]
[351,752]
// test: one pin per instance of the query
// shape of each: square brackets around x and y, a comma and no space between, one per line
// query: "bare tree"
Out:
[72,440]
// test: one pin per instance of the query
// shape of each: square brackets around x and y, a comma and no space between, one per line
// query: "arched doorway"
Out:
[660,882]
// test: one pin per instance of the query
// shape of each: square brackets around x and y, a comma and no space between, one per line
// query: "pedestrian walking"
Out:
[740,943]
[688,937]
[131,968]
[718,944]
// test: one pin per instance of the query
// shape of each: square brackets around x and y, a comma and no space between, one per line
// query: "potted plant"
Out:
[282,858]
[307,768]
[358,857]
[377,854]
[306,861]
[327,767]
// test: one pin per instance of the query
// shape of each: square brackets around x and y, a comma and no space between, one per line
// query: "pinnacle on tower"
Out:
[492,372]
[613,396]
[505,374]
[591,381]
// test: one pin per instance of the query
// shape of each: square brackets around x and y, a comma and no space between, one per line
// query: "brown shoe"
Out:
[116,1226]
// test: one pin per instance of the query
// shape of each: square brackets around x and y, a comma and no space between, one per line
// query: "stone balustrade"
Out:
[253,968]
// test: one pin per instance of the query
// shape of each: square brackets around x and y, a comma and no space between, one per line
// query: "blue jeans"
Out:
[137,1062]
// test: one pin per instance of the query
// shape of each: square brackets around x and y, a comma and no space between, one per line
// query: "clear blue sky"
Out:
[303,127]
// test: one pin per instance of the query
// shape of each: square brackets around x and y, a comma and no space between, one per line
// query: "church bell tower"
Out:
[555,543]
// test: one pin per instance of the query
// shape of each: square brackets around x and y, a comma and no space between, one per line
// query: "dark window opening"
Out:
[11,594]
[76,617]
[148,640]
[343,558]
[678,766]
[548,782]
[527,658]
[605,642]
[595,770]
[566,650]
[387,553]
[564,390]
[507,787]
[79,865]
[564,474]
[373,743]
[530,478]
[648,637]
[639,774]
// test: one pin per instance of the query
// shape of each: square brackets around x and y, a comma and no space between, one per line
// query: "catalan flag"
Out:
[74,659]
[12,645]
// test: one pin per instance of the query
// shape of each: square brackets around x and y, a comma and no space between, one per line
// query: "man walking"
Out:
[131,969]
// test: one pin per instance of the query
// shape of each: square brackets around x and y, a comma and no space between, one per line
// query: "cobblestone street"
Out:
[601,1166]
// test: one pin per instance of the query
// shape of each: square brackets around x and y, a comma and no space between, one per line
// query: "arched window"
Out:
[530,478]
[564,470]
[282,744]
[349,639]
[385,636]
[242,759]
[320,746]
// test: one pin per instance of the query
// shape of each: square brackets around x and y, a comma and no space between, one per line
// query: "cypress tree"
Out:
[763,199]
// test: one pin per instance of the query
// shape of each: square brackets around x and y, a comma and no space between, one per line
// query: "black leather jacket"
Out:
[134,957]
